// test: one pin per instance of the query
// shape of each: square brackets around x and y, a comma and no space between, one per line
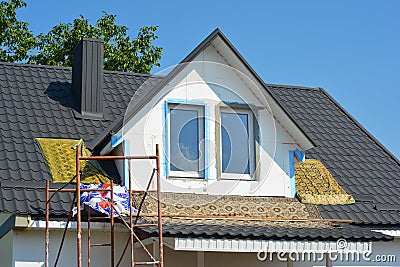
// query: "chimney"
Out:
[87,77]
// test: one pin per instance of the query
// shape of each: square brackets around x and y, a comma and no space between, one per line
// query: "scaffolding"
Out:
[132,224]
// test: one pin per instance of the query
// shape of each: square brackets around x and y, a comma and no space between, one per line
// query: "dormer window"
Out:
[237,143]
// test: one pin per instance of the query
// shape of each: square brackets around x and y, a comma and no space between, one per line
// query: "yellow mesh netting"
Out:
[316,185]
[60,156]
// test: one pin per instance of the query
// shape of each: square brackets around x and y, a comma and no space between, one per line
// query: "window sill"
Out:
[174,177]
[237,177]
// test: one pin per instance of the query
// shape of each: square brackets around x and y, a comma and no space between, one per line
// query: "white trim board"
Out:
[243,245]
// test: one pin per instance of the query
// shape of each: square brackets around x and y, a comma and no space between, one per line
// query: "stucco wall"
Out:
[29,248]
[6,249]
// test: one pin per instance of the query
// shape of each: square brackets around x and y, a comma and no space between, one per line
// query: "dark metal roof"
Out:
[350,233]
[35,101]
[360,164]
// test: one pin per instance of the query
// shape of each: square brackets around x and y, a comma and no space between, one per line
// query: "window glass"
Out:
[235,143]
[186,135]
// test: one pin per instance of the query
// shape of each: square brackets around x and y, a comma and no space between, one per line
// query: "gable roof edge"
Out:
[261,81]
[362,128]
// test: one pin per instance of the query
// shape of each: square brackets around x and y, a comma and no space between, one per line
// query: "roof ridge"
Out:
[34,65]
[300,87]
[22,65]
[132,73]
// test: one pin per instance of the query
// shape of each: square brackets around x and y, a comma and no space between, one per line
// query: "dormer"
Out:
[219,128]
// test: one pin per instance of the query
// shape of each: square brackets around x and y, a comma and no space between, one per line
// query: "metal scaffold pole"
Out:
[160,226]
[78,206]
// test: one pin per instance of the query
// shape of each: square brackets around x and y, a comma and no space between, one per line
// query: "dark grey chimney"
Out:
[87,77]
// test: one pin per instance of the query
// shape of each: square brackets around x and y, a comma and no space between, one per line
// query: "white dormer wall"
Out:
[206,83]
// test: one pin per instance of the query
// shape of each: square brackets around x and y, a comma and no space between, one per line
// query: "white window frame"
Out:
[251,145]
[201,126]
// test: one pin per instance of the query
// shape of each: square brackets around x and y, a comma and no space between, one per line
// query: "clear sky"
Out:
[350,48]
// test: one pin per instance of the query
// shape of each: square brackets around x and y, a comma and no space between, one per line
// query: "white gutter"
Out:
[97,226]
[243,245]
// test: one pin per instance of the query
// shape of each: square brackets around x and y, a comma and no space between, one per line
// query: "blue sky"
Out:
[350,48]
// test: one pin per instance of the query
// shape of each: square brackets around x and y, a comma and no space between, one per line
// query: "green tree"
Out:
[15,38]
[121,53]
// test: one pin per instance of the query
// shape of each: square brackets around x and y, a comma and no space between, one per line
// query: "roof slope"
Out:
[225,216]
[206,216]
[350,233]
[35,101]
[360,164]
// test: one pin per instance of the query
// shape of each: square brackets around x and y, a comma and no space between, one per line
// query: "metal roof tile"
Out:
[351,233]
[34,103]
[359,163]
